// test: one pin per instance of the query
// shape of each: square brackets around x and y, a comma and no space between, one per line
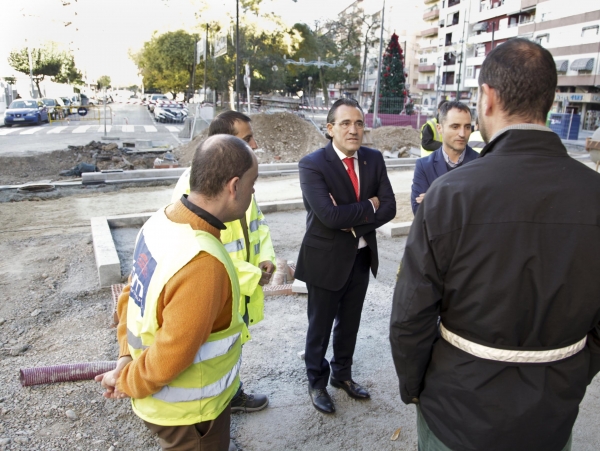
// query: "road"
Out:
[129,122]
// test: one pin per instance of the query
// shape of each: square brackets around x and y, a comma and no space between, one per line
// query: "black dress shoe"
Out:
[321,400]
[353,389]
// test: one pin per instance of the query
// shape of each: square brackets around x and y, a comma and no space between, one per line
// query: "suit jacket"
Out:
[327,253]
[429,168]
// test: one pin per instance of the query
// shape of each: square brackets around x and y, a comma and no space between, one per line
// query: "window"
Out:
[480,50]
[423,61]
[542,38]
[590,31]
[448,39]
[448,78]
[471,72]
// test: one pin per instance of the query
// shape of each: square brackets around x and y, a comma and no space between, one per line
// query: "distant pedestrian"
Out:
[431,138]
[504,250]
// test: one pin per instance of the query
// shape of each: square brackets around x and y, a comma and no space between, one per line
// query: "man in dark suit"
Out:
[347,195]
[455,128]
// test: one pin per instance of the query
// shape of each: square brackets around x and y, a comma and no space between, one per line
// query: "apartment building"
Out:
[469,29]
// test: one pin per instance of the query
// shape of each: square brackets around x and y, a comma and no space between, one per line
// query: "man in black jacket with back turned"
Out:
[506,253]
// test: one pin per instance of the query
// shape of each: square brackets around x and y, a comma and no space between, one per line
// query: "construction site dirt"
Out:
[53,312]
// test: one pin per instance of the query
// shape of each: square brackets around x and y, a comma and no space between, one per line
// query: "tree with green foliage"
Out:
[68,74]
[319,44]
[103,82]
[46,62]
[392,91]
[166,61]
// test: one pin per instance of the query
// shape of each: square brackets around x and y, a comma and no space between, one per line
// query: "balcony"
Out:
[503,33]
[427,68]
[425,86]
[427,2]
[429,32]
[495,8]
[475,60]
[471,83]
[433,14]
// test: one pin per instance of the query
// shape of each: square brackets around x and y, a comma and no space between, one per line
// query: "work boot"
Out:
[243,402]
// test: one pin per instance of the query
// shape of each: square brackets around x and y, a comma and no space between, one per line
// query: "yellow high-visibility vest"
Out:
[203,390]
[476,141]
[437,136]
[245,260]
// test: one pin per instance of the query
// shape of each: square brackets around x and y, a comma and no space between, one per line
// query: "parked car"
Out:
[26,112]
[68,105]
[82,100]
[56,108]
[154,98]
[170,113]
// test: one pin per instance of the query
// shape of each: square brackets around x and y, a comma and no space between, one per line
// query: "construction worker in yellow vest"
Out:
[180,331]
[476,141]
[248,242]
[431,138]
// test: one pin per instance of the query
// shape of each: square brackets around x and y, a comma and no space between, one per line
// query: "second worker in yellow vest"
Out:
[431,138]
[248,242]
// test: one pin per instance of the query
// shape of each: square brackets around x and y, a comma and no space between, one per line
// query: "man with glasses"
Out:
[347,195]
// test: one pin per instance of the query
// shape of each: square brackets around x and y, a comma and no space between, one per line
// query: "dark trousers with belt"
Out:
[341,311]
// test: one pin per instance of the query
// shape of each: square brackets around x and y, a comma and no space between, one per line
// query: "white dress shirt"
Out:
[361,241]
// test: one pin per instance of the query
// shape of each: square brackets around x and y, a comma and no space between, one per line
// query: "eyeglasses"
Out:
[345,125]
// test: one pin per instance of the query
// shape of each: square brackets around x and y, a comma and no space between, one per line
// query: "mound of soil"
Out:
[393,138]
[281,137]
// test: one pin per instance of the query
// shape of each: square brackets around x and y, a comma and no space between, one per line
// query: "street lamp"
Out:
[437,82]
[310,79]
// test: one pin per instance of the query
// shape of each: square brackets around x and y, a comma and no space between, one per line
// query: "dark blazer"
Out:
[429,168]
[327,253]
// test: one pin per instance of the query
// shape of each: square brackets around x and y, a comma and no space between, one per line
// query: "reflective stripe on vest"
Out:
[234,246]
[212,349]
[512,356]
[181,394]
[257,248]
[135,342]
[253,226]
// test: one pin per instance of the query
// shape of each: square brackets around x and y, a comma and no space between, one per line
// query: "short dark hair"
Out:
[224,123]
[452,105]
[338,103]
[216,161]
[523,74]
[442,103]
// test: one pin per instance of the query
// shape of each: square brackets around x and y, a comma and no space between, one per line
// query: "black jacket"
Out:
[506,251]
[327,253]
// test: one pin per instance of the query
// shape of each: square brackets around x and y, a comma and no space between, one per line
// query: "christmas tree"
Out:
[392,91]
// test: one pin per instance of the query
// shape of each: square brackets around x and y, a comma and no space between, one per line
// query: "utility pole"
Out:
[205,60]
[237,54]
[191,94]
[33,94]
[376,106]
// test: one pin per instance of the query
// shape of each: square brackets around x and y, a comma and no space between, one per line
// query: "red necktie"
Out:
[350,165]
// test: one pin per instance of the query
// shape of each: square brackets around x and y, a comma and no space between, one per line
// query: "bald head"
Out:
[216,161]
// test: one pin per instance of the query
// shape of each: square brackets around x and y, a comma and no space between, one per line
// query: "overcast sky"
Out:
[101,32]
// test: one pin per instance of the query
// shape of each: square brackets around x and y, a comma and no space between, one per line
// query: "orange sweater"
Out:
[196,301]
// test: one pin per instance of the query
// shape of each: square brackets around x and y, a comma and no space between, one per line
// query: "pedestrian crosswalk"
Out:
[79,129]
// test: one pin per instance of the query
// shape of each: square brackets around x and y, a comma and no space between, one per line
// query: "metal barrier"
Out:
[87,113]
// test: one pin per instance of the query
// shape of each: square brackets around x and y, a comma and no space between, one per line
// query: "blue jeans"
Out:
[429,442]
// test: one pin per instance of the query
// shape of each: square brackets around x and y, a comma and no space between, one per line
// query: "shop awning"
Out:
[583,64]
[481,26]
[562,65]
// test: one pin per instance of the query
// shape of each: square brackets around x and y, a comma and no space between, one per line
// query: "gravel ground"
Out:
[52,312]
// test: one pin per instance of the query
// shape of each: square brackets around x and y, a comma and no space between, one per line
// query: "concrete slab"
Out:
[275,290]
[107,260]
[393,229]
[299,287]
